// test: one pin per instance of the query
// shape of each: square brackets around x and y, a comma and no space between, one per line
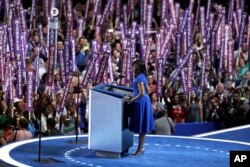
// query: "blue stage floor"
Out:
[206,150]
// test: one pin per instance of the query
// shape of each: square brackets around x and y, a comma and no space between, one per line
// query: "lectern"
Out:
[108,120]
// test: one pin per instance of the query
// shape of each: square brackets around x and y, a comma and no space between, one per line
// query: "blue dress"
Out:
[141,120]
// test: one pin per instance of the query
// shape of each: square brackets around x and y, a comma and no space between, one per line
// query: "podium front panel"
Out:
[106,123]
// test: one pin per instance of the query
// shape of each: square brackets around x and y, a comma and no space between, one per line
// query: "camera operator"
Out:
[236,110]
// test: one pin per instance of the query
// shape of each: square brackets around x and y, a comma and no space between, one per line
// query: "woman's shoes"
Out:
[138,153]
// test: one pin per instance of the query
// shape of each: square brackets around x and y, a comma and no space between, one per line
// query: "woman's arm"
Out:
[141,92]
[2,141]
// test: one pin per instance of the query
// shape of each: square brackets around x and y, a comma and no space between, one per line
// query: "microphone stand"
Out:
[40,126]
[77,106]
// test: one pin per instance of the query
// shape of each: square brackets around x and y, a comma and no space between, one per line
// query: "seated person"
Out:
[21,132]
[51,128]
[164,125]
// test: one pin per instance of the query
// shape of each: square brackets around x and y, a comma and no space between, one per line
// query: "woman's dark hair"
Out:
[140,67]
[151,95]
[24,123]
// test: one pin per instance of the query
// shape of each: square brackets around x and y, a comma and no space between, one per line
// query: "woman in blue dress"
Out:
[141,121]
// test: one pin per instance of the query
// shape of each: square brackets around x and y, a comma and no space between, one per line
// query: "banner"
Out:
[96,7]
[158,46]
[142,42]
[89,70]
[2,76]
[128,76]
[211,20]
[80,28]
[230,10]
[85,15]
[133,42]
[242,26]
[52,47]
[73,55]
[212,48]
[102,67]
[11,42]
[124,60]
[11,88]
[67,59]
[208,43]
[167,38]
[159,76]
[178,47]
[37,64]
[122,31]
[17,40]
[227,37]
[190,73]
[172,10]
[30,88]
[65,93]
[184,21]
[208,11]
[149,17]
[33,11]
[125,19]
[222,51]
[230,57]
[110,67]
[19,72]
[61,58]
[203,71]
[236,24]
[144,12]
[184,81]
[182,64]
[163,11]
[105,13]
[218,21]
[117,13]
[189,33]
[203,24]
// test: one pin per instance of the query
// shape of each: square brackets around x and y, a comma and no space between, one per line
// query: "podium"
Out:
[108,121]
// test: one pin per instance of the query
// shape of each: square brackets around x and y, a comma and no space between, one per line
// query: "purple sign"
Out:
[159,76]
[30,88]
[89,70]
[19,78]
[65,93]
[190,73]
[167,38]
[105,13]
[133,41]
[230,10]
[149,17]
[117,13]
[182,64]
[61,58]
[103,66]
[222,51]
[242,26]
[203,71]
[230,56]
[203,23]
[178,47]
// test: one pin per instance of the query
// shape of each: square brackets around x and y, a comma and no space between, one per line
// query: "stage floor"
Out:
[207,150]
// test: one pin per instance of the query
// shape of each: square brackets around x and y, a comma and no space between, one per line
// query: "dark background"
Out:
[183,3]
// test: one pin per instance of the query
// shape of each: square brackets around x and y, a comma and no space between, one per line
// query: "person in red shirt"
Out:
[177,110]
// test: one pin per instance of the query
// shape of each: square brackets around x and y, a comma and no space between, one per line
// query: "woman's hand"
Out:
[128,99]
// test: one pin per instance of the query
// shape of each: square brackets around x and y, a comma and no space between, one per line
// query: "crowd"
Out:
[62,107]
